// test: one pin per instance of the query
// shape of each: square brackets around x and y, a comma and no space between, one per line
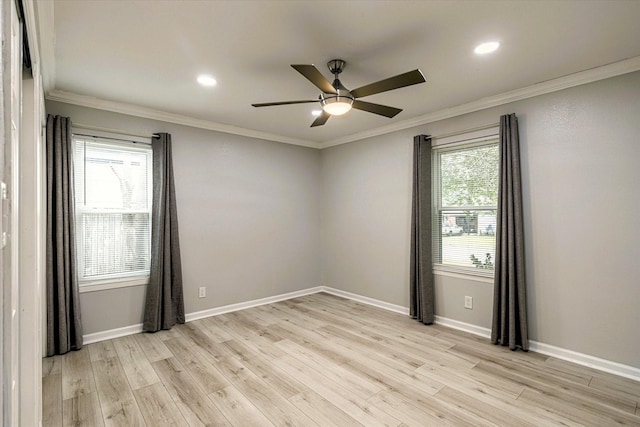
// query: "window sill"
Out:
[463,273]
[103,285]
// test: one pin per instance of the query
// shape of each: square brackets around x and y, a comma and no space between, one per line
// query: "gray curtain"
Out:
[509,300]
[422,296]
[64,326]
[164,301]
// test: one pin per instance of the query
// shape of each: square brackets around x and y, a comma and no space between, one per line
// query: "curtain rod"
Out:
[109,130]
[462,132]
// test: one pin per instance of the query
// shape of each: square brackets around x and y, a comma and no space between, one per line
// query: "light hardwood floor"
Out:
[321,360]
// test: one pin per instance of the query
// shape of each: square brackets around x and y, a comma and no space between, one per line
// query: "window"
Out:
[465,204]
[113,209]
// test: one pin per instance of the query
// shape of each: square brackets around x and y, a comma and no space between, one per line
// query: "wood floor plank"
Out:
[584,414]
[321,410]
[134,362]
[51,366]
[359,385]
[203,371]
[52,400]
[277,379]
[483,412]
[168,334]
[343,398]
[118,404]
[157,407]
[214,328]
[459,379]
[312,339]
[324,360]
[274,406]
[102,350]
[246,338]
[535,381]
[621,387]
[393,353]
[411,414]
[77,375]
[240,350]
[153,347]
[238,409]
[485,394]
[190,399]
[83,410]
[198,337]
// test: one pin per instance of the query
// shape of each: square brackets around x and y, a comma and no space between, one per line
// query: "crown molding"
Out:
[40,24]
[150,113]
[583,77]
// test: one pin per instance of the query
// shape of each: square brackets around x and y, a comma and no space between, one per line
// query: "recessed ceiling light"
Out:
[488,47]
[316,112]
[207,80]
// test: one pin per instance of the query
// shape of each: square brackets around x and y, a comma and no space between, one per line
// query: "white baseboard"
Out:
[462,326]
[366,300]
[248,304]
[550,350]
[586,360]
[111,333]
[615,368]
[190,317]
[611,367]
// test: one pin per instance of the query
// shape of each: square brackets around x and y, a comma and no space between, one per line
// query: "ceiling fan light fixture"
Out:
[337,105]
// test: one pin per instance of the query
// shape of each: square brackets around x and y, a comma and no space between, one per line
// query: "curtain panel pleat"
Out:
[164,305]
[64,325]
[509,326]
[422,297]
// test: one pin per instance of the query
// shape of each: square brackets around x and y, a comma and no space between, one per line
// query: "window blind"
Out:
[113,190]
[466,198]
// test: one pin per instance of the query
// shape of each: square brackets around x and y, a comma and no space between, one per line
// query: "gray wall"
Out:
[259,218]
[580,152]
[249,218]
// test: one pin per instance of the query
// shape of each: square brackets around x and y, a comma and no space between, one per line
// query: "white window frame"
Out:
[116,280]
[455,142]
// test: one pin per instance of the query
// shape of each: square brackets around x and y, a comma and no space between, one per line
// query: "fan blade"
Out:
[382,110]
[270,104]
[395,82]
[322,119]
[314,76]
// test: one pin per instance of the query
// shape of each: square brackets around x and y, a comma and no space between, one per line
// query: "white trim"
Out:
[611,367]
[150,113]
[366,300]
[442,271]
[465,138]
[463,326]
[106,285]
[111,333]
[586,360]
[249,304]
[98,132]
[583,77]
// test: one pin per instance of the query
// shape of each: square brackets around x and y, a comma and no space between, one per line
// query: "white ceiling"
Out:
[149,53]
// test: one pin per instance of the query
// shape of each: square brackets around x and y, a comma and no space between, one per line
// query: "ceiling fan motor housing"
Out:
[336,66]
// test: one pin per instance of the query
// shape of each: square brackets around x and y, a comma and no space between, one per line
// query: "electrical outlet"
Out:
[202,292]
[468,302]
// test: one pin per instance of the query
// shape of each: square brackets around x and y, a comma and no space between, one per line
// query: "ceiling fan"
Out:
[337,99]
